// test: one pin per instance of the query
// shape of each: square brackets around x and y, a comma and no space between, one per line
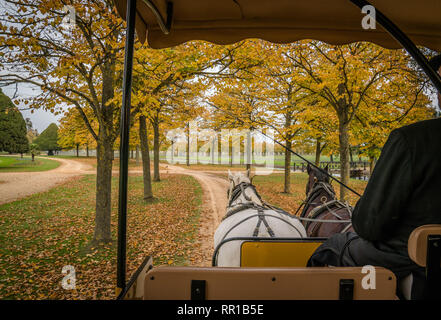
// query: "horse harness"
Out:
[312,216]
[331,206]
[240,189]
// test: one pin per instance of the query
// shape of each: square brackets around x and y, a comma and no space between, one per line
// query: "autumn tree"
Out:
[156,74]
[319,129]
[166,82]
[286,100]
[238,104]
[351,77]
[75,66]
[73,132]
[267,95]
[377,118]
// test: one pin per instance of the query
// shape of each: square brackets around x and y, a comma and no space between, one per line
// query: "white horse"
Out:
[248,216]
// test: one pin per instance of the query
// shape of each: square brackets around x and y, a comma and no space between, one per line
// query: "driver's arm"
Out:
[387,191]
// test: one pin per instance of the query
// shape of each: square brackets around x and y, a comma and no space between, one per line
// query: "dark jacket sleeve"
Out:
[387,191]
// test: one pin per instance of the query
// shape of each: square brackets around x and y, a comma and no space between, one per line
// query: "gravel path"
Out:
[214,207]
[17,185]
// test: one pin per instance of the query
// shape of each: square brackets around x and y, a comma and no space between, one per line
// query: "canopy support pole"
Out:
[404,40]
[124,147]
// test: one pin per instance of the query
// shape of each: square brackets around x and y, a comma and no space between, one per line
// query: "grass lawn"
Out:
[17,164]
[42,233]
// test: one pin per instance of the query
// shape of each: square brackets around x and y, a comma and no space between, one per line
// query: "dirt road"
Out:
[17,185]
[215,203]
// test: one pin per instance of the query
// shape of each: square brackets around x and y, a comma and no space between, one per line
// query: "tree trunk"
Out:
[33,156]
[188,145]
[87,150]
[219,149]
[137,153]
[232,154]
[318,151]
[371,164]
[103,190]
[105,156]
[288,143]
[78,146]
[172,153]
[143,137]
[286,188]
[249,150]
[344,156]
[156,176]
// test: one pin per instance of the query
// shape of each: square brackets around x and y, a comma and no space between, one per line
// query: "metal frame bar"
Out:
[135,276]
[433,269]
[404,40]
[124,147]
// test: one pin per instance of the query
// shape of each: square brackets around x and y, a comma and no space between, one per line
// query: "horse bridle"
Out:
[316,188]
[240,189]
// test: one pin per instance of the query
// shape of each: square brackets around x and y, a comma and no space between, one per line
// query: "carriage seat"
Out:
[256,283]
[424,248]
[239,283]
[419,241]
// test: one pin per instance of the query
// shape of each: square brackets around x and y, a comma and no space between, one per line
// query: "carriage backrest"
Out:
[215,283]
[198,283]
[424,248]
[418,244]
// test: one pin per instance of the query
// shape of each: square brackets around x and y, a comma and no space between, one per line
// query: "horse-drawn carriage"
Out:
[272,263]
[272,267]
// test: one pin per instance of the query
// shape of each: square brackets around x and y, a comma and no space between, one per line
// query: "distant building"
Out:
[31,135]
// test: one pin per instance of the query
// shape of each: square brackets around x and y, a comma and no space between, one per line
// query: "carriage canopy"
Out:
[281,21]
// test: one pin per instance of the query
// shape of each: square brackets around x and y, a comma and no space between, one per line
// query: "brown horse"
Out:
[321,205]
